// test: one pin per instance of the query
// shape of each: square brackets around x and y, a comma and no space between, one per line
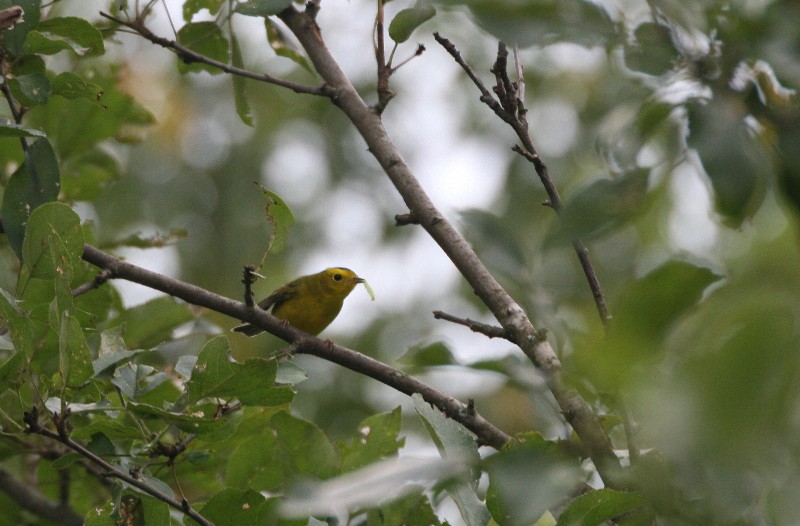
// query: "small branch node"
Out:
[471,407]
[249,277]
[312,8]
[405,219]
[420,50]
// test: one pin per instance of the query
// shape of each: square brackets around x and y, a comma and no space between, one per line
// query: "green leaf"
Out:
[72,86]
[9,128]
[497,242]
[36,181]
[76,364]
[134,379]
[281,220]
[733,159]
[412,510]
[11,371]
[240,85]
[207,39]
[76,34]
[192,7]
[53,241]
[284,47]
[527,478]
[652,51]
[20,329]
[377,440]
[303,449]
[199,419]
[119,116]
[254,464]
[86,175]
[149,324]
[262,7]
[155,512]
[232,506]
[596,507]
[649,306]
[251,382]
[454,441]
[35,88]
[407,20]
[102,515]
[431,355]
[528,23]
[601,207]
[450,437]
[112,428]
[112,351]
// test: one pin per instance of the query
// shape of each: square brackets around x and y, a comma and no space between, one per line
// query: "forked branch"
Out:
[509,106]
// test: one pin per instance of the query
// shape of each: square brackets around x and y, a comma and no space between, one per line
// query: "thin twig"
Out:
[420,50]
[98,281]
[507,103]
[17,113]
[189,56]
[31,419]
[384,69]
[491,331]
[248,278]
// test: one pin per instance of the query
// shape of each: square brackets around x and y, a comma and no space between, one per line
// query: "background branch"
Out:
[36,503]
[510,107]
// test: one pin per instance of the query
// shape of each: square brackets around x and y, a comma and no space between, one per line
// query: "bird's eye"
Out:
[337,277]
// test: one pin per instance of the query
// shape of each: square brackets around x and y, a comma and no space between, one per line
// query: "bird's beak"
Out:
[358,280]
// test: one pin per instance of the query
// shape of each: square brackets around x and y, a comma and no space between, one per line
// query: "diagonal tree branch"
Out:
[487,433]
[510,315]
[31,419]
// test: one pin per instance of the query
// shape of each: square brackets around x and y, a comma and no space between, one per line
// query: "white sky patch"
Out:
[556,127]
[297,168]
[691,227]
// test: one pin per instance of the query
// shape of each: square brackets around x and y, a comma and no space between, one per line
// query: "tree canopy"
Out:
[579,219]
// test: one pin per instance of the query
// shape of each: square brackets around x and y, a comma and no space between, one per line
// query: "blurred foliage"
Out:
[671,131]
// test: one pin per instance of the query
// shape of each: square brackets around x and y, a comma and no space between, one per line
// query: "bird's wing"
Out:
[279,296]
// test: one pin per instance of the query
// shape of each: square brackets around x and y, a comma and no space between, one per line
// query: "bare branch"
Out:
[98,280]
[475,326]
[510,107]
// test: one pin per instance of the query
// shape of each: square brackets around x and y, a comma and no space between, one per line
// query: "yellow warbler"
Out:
[309,303]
